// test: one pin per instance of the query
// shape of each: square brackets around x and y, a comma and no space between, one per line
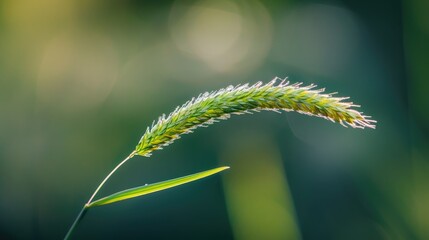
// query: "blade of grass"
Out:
[155,187]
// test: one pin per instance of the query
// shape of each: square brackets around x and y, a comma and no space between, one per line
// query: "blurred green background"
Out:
[81,80]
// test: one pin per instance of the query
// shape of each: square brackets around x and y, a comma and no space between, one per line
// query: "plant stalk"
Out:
[76,221]
[85,207]
[108,176]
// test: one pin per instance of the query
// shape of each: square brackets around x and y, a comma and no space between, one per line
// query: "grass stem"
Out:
[76,221]
[108,176]
[85,207]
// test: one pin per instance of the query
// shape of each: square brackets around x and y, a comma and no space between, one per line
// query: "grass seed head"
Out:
[276,95]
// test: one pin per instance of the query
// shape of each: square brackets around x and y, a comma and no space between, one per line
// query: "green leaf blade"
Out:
[154,187]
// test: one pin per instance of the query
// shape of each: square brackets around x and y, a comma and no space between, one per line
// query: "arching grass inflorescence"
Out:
[276,95]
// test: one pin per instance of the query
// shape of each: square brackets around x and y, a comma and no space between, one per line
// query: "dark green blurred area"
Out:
[81,80]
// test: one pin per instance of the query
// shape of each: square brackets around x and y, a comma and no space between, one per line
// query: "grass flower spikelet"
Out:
[276,95]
